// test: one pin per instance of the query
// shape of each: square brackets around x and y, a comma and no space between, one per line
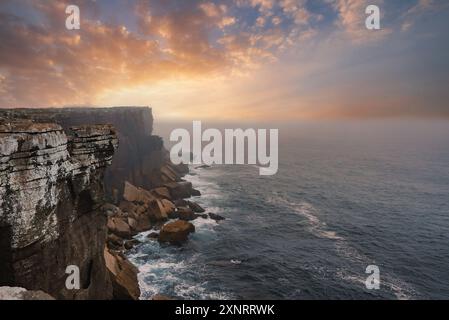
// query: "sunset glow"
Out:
[259,59]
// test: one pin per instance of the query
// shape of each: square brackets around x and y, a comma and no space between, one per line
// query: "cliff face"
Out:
[55,175]
[51,190]
[141,156]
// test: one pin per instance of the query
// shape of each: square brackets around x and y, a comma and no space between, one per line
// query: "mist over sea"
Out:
[347,195]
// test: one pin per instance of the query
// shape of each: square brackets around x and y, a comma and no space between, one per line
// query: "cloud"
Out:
[276,21]
[352,17]
[48,64]
[185,39]
[227,21]
[58,66]
[248,54]
[410,16]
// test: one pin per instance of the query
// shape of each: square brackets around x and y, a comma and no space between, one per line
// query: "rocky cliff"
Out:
[141,157]
[57,173]
[51,191]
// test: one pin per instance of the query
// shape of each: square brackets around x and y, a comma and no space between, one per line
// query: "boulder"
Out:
[168,206]
[186,214]
[173,215]
[161,192]
[141,209]
[143,223]
[195,193]
[119,227]
[179,190]
[195,207]
[169,173]
[129,207]
[112,210]
[215,216]
[134,194]
[114,242]
[110,224]
[132,223]
[17,293]
[123,275]
[157,211]
[176,232]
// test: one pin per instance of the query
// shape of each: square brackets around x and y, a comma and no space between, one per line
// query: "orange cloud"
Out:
[198,57]
[352,20]
[73,67]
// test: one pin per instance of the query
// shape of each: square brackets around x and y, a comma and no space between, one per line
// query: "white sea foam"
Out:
[204,225]
[307,211]
[400,289]
[167,272]
[166,275]
[204,181]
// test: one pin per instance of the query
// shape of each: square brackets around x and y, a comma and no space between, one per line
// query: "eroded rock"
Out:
[195,207]
[215,216]
[157,211]
[120,227]
[176,232]
[17,293]
[161,192]
[186,214]
[180,190]
[123,275]
[135,194]
[51,194]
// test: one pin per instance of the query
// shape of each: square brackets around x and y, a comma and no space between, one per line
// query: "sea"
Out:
[348,195]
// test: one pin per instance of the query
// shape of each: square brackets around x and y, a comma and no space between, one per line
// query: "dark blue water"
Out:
[347,195]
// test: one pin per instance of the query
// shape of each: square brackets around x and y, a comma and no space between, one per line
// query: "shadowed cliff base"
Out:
[57,175]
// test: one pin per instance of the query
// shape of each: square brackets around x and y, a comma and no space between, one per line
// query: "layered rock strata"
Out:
[141,158]
[51,191]
[53,213]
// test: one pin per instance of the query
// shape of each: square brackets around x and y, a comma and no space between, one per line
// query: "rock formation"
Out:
[51,189]
[17,293]
[123,276]
[67,199]
[141,158]
[176,232]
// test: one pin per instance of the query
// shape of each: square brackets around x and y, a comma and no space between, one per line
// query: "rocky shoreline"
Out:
[79,185]
[164,209]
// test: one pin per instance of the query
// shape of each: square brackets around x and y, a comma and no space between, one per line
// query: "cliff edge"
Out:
[141,156]
[51,191]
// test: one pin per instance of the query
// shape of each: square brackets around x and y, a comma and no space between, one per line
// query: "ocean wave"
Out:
[177,273]
[401,289]
[204,225]
[176,278]
[306,210]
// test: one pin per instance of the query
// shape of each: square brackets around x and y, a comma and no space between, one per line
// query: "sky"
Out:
[229,60]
